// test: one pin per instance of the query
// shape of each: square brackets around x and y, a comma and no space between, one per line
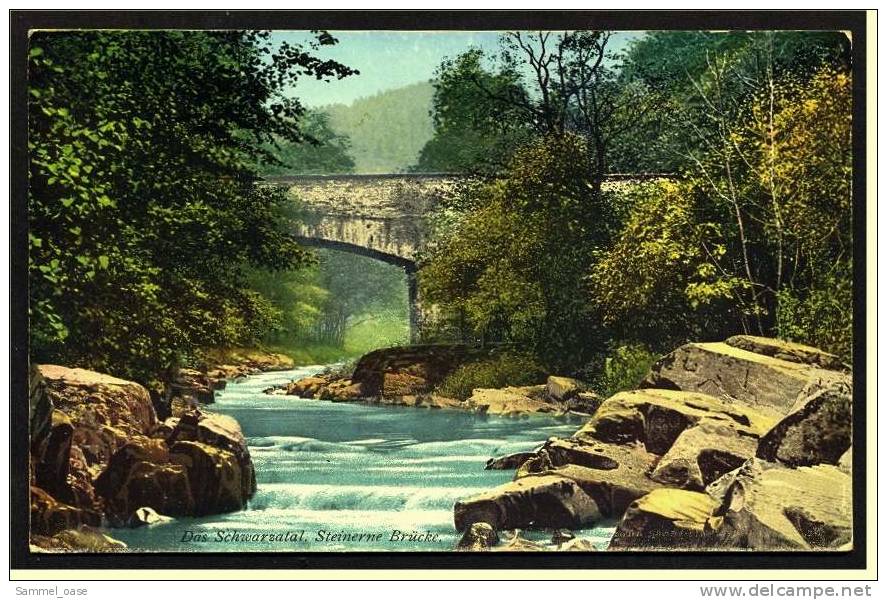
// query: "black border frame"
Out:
[23,21]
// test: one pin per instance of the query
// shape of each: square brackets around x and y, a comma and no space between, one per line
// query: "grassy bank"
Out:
[366,334]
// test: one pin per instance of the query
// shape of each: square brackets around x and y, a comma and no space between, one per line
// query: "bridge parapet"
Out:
[383,213]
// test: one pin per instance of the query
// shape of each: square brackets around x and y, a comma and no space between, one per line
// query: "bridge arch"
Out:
[408,266]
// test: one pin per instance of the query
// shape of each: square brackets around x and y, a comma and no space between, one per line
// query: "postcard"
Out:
[585,291]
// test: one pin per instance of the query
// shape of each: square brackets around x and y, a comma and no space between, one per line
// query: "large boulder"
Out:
[429,362]
[666,519]
[95,398]
[49,516]
[561,389]
[656,417]
[703,453]
[94,416]
[222,432]
[735,374]
[767,506]
[817,430]
[537,501]
[214,476]
[140,475]
[199,465]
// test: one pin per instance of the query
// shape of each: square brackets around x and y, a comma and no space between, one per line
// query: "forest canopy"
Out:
[144,212]
[151,237]
[735,216]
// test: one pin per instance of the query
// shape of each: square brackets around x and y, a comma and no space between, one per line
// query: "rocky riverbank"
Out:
[190,388]
[740,445]
[408,376]
[106,452]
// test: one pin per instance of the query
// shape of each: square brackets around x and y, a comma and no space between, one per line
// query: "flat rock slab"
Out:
[510,401]
[784,350]
[535,501]
[612,490]
[728,372]
[559,452]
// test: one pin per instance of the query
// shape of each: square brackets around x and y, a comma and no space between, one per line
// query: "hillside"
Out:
[387,130]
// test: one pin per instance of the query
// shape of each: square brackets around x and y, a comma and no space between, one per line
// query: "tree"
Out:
[322,303]
[323,151]
[143,208]
[759,230]
[541,84]
[387,129]
[665,66]
[644,281]
[512,265]
[472,132]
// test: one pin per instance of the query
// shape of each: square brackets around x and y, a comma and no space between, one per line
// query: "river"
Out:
[329,471]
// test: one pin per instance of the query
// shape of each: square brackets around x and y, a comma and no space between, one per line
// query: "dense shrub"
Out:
[624,369]
[503,370]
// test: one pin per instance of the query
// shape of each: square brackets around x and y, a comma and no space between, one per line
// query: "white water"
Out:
[334,468]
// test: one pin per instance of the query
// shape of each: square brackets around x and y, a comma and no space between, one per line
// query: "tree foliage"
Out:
[472,133]
[759,231]
[670,65]
[323,152]
[512,266]
[143,208]
[750,230]
[386,130]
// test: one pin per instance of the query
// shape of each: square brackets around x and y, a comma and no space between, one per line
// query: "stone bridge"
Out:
[380,216]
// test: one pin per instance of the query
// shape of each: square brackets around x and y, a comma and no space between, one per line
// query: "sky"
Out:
[388,59]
